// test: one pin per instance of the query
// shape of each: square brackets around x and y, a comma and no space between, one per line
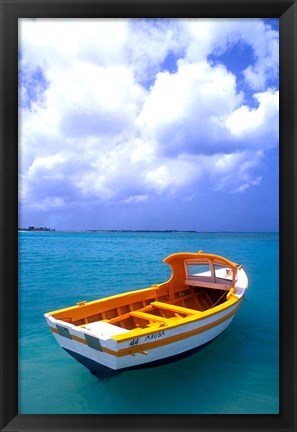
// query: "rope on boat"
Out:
[224,293]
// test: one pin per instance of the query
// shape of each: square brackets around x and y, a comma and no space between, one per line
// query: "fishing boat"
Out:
[158,324]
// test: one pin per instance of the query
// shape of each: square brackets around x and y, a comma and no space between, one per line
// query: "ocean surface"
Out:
[236,374]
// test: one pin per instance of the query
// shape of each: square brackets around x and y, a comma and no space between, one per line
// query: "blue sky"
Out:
[149,124]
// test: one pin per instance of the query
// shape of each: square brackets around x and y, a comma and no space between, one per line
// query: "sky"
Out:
[149,124]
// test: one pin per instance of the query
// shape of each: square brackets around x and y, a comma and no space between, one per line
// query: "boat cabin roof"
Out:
[181,263]
[200,257]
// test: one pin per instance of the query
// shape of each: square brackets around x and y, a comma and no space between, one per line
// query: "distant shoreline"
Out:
[105,230]
[33,229]
[143,231]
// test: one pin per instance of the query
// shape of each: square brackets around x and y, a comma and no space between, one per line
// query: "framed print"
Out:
[135,133]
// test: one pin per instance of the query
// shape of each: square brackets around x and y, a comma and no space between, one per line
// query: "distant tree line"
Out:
[33,228]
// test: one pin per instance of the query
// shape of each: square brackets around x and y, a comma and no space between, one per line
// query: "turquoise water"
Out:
[236,374]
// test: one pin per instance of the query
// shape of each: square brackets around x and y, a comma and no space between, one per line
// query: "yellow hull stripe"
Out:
[161,342]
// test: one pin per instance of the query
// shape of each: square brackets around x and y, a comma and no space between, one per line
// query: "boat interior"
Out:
[146,311]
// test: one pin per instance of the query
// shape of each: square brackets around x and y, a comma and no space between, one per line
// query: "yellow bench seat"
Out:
[174,308]
[147,316]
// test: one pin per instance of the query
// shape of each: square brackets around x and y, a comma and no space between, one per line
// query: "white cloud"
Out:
[47,163]
[246,186]
[185,111]
[242,188]
[47,203]
[98,131]
[235,171]
[172,175]
[136,199]
[257,124]
[150,42]
[216,36]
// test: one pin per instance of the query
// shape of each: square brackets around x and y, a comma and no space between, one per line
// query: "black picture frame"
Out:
[11,11]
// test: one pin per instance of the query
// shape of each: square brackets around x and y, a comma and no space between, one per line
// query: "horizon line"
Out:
[143,230]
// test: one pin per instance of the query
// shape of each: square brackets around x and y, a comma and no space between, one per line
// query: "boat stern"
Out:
[93,347]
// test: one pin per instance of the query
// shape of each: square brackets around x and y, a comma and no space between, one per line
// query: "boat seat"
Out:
[104,330]
[174,308]
[146,316]
[204,284]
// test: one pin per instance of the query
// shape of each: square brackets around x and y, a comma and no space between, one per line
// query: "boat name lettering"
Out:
[154,335]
